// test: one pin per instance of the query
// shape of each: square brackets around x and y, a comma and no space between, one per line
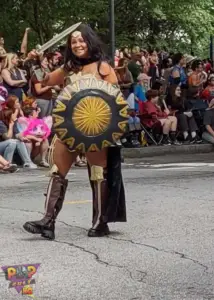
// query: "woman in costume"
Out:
[84,56]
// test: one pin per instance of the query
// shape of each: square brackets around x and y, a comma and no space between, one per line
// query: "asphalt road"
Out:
[164,251]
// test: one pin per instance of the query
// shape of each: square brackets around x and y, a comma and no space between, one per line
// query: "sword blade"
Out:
[59,37]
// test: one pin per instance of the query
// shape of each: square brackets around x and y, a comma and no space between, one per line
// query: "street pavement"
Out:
[164,251]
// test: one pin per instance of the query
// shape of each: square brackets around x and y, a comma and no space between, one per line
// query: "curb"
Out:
[165,150]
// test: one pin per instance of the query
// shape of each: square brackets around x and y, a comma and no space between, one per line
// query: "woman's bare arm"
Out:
[54,78]
[24,42]
[40,89]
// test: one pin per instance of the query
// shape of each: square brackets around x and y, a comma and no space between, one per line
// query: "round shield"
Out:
[90,114]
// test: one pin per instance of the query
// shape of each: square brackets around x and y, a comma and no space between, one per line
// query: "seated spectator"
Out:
[13,78]
[131,97]
[12,140]
[3,96]
[145,78]
[140,95]
[208,134]
[194,101]
[134,129]
[132,137]
[154,112]
[6,166]
[36,143]
[208,92]
[186,121]
[30,102]
[12,102]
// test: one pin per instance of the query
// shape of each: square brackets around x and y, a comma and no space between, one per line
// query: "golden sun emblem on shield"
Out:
[92,116]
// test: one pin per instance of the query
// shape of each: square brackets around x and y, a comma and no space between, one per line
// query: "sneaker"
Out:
[166,142]
[187,141]
[44,164]
[196,140]
[30,166]
[176,142]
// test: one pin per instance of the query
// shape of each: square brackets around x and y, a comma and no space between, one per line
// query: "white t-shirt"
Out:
[131,100]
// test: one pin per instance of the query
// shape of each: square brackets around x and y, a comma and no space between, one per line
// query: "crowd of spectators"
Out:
[26,107]
[170,97]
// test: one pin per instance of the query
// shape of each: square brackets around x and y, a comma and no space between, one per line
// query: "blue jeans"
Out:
[7,149]
[206,136]
[23,152]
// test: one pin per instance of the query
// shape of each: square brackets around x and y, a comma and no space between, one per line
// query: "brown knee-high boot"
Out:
[53,204]
[100,197]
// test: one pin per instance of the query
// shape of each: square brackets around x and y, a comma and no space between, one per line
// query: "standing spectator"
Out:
[1,41]
[126,53]
[53,61]
[178,75]
[208,93]
[208,66]
[43,94]
[124,77]
[165,73]
[3,56]
[153,71]
[133,67]
[116,57]
[197,78]
[13,78]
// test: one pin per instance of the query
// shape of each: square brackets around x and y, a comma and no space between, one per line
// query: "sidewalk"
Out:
[165,150]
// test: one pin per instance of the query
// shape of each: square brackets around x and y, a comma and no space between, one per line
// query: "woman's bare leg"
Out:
[63,159]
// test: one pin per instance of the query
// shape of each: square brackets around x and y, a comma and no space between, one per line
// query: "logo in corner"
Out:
[21,277]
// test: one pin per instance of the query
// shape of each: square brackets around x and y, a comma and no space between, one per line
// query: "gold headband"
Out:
[75,34]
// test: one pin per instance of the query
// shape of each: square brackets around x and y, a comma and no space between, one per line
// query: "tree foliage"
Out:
[177,25]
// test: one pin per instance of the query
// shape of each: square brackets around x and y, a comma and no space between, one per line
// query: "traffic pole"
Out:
[112,30]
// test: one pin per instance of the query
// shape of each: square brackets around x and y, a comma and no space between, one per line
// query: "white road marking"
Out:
[45,175]
[193,165]
[176,168]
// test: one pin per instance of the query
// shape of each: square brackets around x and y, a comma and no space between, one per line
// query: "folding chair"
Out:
[150,131]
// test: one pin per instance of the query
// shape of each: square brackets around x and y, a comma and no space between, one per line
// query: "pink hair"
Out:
[29,124]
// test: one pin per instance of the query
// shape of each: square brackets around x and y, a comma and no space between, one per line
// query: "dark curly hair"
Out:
[95,51]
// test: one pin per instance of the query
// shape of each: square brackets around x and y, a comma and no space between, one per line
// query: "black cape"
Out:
[116,205]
